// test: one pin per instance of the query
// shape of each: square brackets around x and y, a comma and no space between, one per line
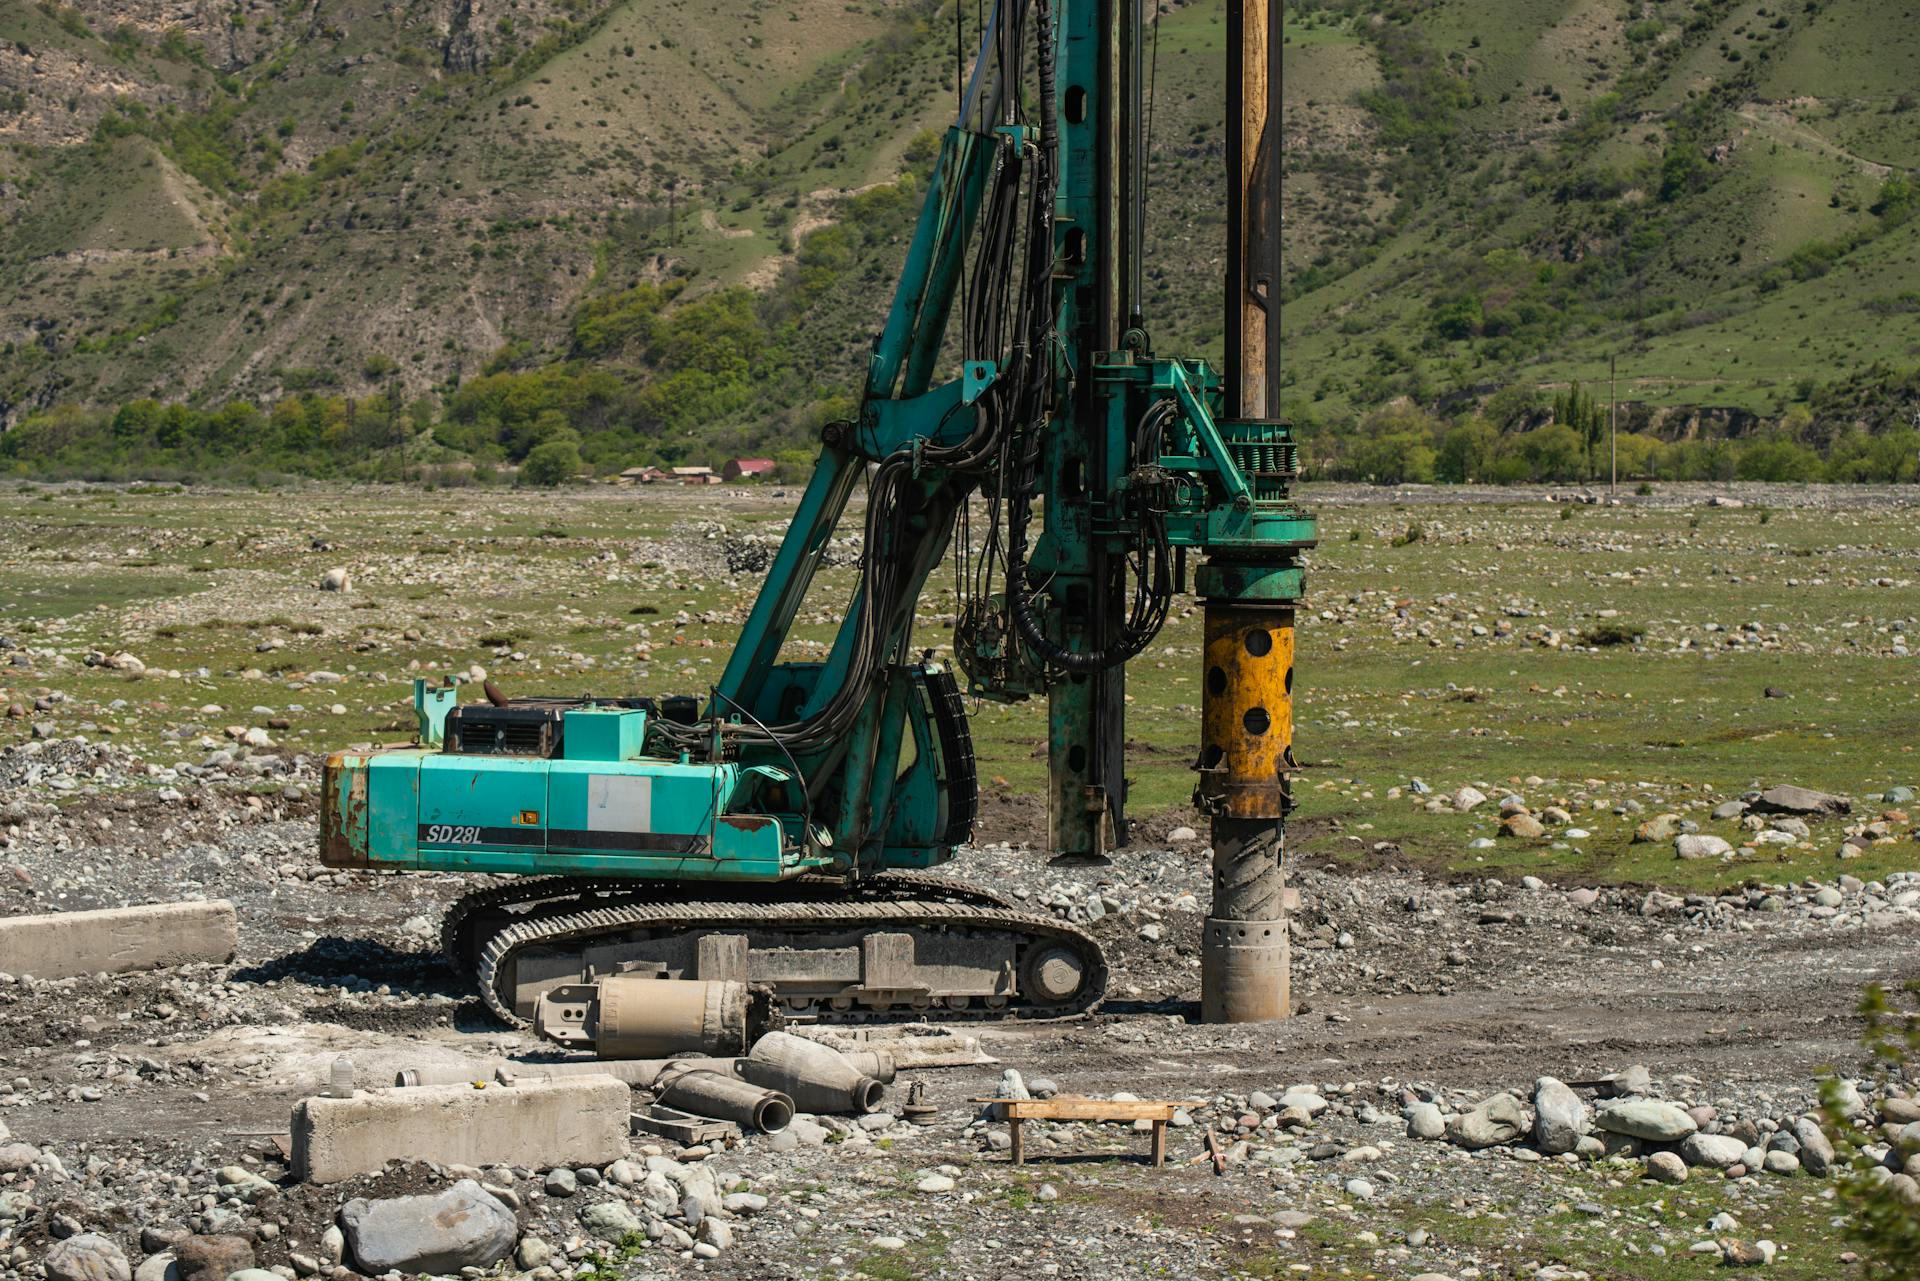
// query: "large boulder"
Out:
[610,1221]
[212,1258]
[1714,1151]
[462,1227]
[1560,1119]
[17,1158]
[1700,845]
[1496,1120]
[1787,799]
[1650,1119]
[87,1257]
[1816,1150]
[1424,1121]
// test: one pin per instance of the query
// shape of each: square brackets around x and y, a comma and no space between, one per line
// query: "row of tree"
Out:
[1406,445]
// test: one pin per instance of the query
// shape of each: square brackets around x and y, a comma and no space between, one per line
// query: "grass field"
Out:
[1455,658]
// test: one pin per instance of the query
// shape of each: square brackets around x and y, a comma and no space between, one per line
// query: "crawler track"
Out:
[486,931]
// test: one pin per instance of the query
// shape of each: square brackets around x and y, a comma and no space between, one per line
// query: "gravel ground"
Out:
[1409,990]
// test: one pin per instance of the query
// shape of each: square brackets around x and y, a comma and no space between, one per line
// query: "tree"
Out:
[1553,452]
[1458,317]
[1467,452]
[137,420]
[1510,405]
[1899,200]
[1682,170]
[1778,460]
[553,463]
[1397,459]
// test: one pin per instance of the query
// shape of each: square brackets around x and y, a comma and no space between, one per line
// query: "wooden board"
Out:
[1075,1108]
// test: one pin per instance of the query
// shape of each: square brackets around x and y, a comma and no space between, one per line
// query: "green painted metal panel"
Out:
[393,806]
[481,801]
[604,733]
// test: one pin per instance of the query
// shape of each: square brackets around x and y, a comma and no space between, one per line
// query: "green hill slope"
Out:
[423,233]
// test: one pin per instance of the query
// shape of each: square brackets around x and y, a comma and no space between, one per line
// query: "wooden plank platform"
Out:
[1073,1107]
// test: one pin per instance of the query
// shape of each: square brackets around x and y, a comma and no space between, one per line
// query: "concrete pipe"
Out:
[641,1074]
[726,1098]
[877,1064]
[436,1075]
[818,1077]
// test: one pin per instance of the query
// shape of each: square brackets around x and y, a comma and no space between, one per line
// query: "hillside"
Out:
[435,229]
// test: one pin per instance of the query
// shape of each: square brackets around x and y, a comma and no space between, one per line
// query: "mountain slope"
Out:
[472,218]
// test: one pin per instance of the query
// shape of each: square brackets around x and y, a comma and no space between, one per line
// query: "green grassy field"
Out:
[1453,659]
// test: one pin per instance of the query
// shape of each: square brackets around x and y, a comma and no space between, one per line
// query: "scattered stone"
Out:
[1816,1150]
[1424,1121]
[1560,1119]
[212,1258]
[1666,1167]
[1714,1151]
[87,1257]
[1496,1120]
[1649,1119]
[1788,799]
[464,1226]
[610,1220]
[1700,845]
[1522,827]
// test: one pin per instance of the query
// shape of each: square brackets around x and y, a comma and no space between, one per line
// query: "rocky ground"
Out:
[1384,1129]
[1532,850]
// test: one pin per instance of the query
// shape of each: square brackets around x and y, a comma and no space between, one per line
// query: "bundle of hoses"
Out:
[1017,402]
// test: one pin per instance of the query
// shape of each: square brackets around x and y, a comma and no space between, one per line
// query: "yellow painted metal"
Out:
[1247,711]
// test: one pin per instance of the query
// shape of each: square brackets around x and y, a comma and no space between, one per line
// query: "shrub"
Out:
[1884,1218]
[1610,633]
[553,463]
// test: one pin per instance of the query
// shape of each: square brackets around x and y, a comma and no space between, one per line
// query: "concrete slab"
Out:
[579,1120]
[118,940]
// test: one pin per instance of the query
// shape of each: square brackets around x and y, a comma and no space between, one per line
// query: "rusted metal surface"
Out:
[1246,731]
[343,811]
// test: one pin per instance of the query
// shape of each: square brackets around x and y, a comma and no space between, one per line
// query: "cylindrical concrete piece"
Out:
[816,1077]
[1244,976]
[727,1098]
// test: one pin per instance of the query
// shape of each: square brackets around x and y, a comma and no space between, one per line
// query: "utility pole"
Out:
[1613,397]
[1251,589]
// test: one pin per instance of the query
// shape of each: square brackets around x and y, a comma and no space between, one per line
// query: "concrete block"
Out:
[575,1120]
[118,940]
